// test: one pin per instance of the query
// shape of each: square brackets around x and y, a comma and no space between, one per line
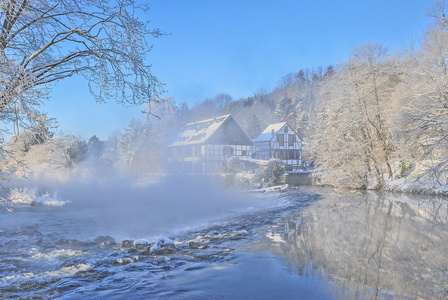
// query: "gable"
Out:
[272,130]
[221,130]
[230,133]
[198,132]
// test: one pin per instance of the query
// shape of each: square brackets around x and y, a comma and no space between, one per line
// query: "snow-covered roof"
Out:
[199,132]
[267,135]
[219,130]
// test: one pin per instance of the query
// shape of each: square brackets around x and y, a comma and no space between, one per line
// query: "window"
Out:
[285,129]
[243,152]
[291,139]
[228,151]
[281,139]
[293,154]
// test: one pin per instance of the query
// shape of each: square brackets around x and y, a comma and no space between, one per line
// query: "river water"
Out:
[298,244]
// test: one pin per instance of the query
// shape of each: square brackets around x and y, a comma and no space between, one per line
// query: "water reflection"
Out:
[369,245]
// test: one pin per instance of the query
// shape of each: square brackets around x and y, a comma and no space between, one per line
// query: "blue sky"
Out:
[239,47]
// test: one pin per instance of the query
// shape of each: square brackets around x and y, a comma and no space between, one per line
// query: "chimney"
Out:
[272,132]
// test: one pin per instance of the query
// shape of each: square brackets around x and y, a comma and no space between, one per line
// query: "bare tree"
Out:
[44,41]
[424,97]
[353,134]
[437,11]
[373,92]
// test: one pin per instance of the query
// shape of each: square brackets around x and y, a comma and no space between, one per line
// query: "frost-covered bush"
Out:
[238,180]
[233,164]
[53,157]
[258,181]
[274,172]
[24,196]
[30,196]
[22,142]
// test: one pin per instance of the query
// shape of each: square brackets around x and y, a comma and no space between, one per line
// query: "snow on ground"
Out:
[413,183]
[271,189]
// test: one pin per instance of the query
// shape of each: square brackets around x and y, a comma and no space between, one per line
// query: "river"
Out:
[309,243]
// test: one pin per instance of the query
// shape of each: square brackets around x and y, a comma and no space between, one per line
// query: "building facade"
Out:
[205,146]
[280,141]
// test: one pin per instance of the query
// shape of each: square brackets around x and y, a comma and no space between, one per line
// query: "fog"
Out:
[129,209]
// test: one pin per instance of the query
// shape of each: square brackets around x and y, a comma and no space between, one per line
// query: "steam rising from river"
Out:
[129,210]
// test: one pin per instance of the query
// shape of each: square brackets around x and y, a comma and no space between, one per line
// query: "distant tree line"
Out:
[376,117]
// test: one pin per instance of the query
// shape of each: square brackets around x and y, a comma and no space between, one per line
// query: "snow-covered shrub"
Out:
[274,172]
[23,196]
[30,196]
[233,164]
[238,180]
[258,181]
[51,157]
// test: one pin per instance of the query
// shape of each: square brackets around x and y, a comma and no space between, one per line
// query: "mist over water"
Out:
[225,244]
[98,236]
[124,209]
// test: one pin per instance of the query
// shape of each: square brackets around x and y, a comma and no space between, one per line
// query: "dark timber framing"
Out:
[205,146]
[280,141]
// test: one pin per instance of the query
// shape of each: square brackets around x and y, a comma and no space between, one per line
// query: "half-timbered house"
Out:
[280,141]
[205,146]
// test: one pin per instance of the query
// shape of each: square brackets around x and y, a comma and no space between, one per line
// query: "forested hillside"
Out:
[374,120]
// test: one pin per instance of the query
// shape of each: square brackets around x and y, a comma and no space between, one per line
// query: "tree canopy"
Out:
[43,41]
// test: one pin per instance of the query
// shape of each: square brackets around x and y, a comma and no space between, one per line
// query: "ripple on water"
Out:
[39,264]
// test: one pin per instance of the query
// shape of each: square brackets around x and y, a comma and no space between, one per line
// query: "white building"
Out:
[282,142]
[205,146]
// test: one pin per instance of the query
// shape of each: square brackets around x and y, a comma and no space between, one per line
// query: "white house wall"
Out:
[215,156]
[289,151]
[209,157]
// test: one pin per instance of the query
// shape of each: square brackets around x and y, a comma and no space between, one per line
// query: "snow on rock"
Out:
[142,243]
[161,241]
[127,244]
[105,240]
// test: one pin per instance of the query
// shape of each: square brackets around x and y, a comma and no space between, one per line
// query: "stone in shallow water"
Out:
[165,250]
[72,243]
[161,241]
[105,240]
[194,245]
[132,251]
[127,244]
[142,244]
[123,261]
